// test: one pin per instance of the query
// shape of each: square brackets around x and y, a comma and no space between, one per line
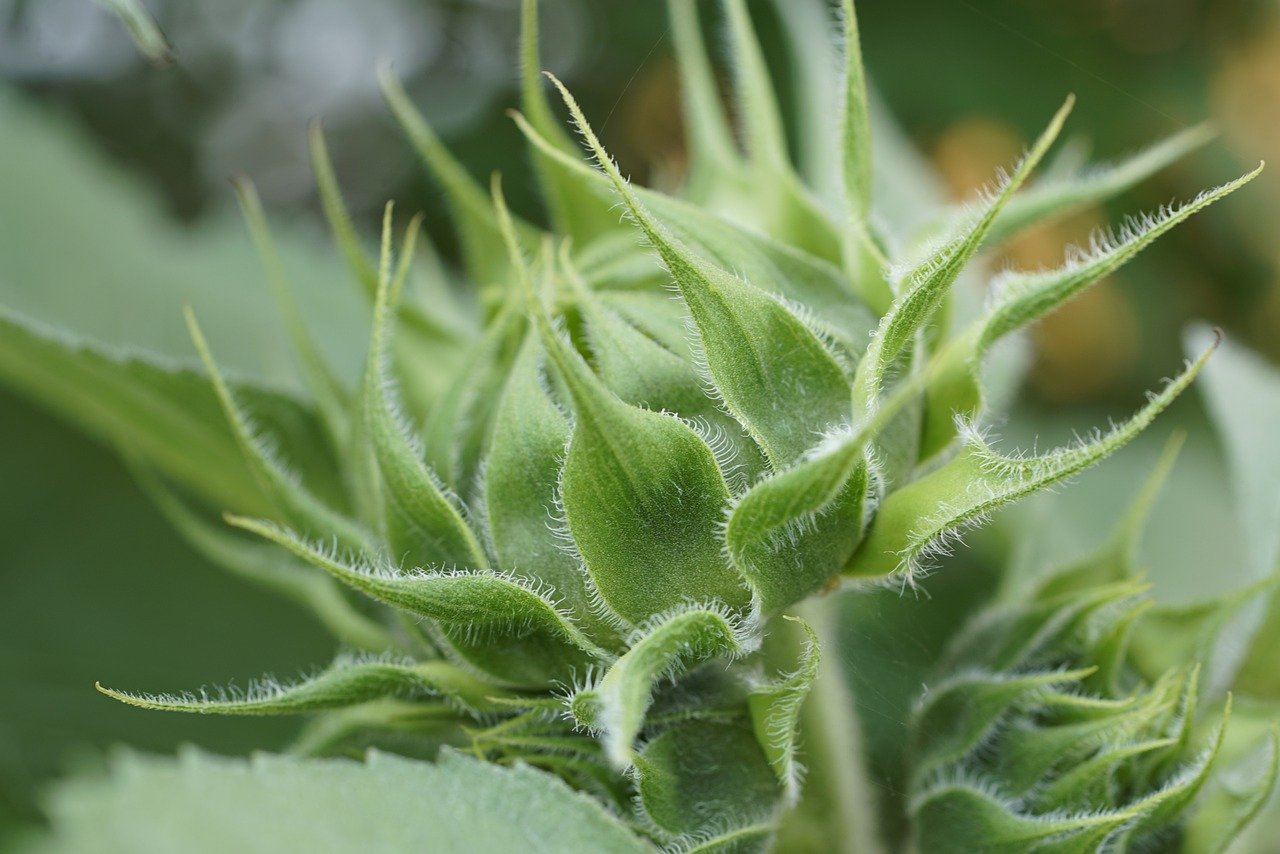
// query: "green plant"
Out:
[587,513]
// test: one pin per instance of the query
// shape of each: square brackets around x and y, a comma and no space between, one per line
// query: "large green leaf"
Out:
[89,253]
[1243,395]
[203,803]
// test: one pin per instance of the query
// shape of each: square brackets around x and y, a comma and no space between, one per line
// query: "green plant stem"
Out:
[836,809]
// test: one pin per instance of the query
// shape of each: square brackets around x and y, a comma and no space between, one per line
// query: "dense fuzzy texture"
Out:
[674,422]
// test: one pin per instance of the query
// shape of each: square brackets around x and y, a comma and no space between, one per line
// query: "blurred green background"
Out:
[114,175]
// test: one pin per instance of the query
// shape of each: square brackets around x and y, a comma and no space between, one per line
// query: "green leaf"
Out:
[1233,799]
[1166,805]
[635,367]
[856,128]
[781,201]
[503,625]
[1168,636]
[783,402]
[346,682]
[383,804]
[775,714]
[668,645]
[704,778]
[1243,396]
[918,520]
[55,174]
[335,212]
[762,131]
[421,520]
[1117,558]
[522,473]
[167,415]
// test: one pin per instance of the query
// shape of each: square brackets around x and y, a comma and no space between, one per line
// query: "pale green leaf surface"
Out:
[1243,397]
[167,415]
[202,803]
[51,176]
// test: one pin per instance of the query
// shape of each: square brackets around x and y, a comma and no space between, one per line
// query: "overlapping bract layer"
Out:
[1072,719]
[670,419]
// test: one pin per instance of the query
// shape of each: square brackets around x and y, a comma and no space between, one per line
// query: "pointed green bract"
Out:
[477,224]
[856,127]
[580,502]
[522,475]
[423,524]
[770,265]
[1057,198]
[576,211]
[501,624]
[641,490]
[335,212]
[345,683]
[785,405]
[1021,298]
[775,714]
[925,287]
[331,398]
[291,498]
[714,157]
[921,518]
[668,645]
